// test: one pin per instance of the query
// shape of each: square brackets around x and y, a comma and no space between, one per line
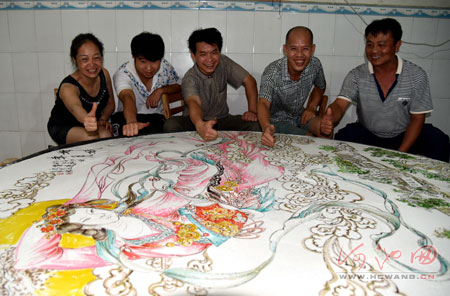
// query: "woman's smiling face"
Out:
[89,60]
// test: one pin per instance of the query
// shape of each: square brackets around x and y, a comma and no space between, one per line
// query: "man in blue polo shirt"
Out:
[392,96]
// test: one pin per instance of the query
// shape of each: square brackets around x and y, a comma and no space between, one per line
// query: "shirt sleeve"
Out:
[189,86]
[121,81]
[235,72]
[350,90]
[267,83]
[320,77]
[170,73]
[422,102]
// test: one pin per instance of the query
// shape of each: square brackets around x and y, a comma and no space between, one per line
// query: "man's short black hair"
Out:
[147,45]
[211,36]
[385,26]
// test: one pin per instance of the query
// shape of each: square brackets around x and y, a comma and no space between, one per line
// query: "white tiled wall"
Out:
[34,55]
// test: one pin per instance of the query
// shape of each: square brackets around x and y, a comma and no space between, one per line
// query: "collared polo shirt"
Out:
[287,97]
[391,117]
[212,89]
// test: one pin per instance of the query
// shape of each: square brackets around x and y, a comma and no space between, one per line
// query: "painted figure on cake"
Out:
[181,204]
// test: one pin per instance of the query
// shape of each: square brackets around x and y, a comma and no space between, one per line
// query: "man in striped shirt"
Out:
[392,96]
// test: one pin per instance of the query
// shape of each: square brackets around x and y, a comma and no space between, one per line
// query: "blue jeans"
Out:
[286,127]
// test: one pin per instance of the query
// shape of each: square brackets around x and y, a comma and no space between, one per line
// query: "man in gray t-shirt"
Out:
[392,96]
[204,89]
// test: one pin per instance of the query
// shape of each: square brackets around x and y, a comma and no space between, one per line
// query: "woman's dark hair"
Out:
[147,45]
[62,224]
[384,26]
[81,39]
[211,36]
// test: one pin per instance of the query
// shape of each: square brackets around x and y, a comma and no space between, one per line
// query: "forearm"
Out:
[110,105]
[108,110]
[251,92]
[129,109]
[315,98]
[336,115]
[252,103]
[170,89]
[78,112]
[70,97]
[412,132]
[195,112]
[263,115]
[338,108]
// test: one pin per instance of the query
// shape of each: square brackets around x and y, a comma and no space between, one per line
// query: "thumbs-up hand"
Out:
[267,138]
[90,121]
[206,131]
[132,129]
[326,124]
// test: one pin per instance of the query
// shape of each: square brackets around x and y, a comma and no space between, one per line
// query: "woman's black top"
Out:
[60,115]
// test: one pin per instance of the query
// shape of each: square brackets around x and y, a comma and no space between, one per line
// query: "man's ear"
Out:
[192,56]
[313,48]
[397,46]
[284,49]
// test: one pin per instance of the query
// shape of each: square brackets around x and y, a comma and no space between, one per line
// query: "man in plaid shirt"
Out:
[285,86]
